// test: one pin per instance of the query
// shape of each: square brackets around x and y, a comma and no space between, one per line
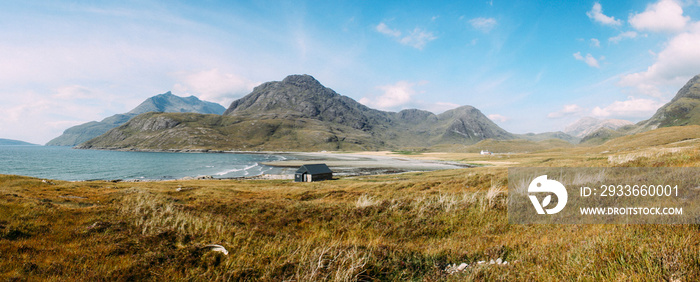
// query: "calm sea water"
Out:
[64,163]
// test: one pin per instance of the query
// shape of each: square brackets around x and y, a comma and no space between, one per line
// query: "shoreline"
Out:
[284,166]
[342,163]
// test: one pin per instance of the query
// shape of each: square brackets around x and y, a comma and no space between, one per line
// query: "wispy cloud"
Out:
[213,85]
[498,118]
[567,110]
[596,14]
[73,92]
[384,29]
[621,36]
[484,25]
[417,38]
[588,59]
[595,42]
[35,116]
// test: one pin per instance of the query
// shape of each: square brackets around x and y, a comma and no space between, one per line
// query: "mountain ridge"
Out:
[588,125]
[300,109]
[683,109]
[300,114]
[12,142]
[166,102]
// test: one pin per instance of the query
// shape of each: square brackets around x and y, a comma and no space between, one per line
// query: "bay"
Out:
[65,163]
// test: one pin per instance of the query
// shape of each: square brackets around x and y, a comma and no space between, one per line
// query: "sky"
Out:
[530,66]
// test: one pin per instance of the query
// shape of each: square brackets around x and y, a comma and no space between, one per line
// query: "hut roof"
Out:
[314,169]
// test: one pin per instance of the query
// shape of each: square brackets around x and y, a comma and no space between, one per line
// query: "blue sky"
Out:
[530,66]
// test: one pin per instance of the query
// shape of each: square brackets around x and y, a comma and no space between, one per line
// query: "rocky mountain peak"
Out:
[167,102]
[302,96]
[690,90]
[302,80]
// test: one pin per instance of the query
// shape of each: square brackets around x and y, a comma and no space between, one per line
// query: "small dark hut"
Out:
[313,172]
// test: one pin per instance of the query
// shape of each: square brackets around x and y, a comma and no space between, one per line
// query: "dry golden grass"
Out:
[389,227]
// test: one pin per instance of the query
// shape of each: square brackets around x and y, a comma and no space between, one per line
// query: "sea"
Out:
[66,163]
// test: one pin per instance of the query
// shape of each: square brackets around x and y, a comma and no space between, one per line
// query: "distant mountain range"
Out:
[299,113]
[10,142]
[166,102]
[681,110]
[588,125]
[547,136]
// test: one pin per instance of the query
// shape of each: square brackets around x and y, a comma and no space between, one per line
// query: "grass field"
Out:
[399,227]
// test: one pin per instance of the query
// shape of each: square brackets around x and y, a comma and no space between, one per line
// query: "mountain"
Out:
[299,113]
[302,96]
[588,125]
[549,135]
[601,135]
[681,110]
[10,142]
[169,103]
[86,131]
[166,102]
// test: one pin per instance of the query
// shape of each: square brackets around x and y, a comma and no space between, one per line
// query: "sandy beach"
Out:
[363,163]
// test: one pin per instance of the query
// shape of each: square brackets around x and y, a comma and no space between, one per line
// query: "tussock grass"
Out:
[648,153]
[155,214]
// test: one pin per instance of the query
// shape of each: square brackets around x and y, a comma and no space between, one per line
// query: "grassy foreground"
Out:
[392,227]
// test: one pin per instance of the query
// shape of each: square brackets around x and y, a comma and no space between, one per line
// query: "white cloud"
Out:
[36,117]
[73,92]
[596,14]
[631,108]
[498,118]
[213,85]
[394,95]
[567,110]
[401,95]
[589,59]
[619,37]
[417,38]
[384,29]
[674,65]
[663,16]
[595,42]
[485,25]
